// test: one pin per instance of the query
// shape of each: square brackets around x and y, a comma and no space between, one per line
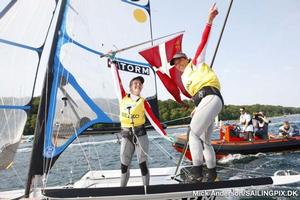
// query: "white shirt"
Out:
[246,118]
[290,131]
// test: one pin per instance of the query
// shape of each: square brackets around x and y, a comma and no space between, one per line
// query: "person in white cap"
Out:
[133,112]
[203,85]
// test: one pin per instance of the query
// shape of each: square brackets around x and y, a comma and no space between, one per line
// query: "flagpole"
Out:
[220,37]
[156,109]
[150,20]
[139,44]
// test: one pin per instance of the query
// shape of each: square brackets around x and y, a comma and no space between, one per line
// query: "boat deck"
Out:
[111,178]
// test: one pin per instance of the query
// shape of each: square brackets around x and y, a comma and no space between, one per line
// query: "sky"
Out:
[258,61]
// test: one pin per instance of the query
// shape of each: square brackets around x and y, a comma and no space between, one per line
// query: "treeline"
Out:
[30,124]
[173,113]
[171,110]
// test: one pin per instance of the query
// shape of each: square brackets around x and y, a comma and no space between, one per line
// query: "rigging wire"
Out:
[170,156]
[98,158]
[48,167]
[22,183]
[137,139]
[177,119]
[6,120]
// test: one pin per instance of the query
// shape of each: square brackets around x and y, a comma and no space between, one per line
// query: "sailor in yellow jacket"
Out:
[133,112]
[201,82]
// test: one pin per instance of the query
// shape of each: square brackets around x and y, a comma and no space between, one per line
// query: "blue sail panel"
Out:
[82,89]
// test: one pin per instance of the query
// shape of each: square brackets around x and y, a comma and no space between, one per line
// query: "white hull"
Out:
[162,186]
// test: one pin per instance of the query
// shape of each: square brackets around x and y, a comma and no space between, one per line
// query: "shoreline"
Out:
[116,130]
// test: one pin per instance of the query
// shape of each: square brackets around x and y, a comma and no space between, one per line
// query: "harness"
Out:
[138,131]
[205,91]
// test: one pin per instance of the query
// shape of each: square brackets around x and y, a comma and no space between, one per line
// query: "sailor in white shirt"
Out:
[246,122]
[286,130]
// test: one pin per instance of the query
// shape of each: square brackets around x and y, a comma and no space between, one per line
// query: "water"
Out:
[102,152]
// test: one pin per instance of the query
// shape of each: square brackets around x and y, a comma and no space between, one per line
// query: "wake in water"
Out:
[240,158]
[235,158]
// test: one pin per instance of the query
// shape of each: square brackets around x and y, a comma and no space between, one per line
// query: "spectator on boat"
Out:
[133,109]
[203,85]
[246,122]
[286,130]
[261,125]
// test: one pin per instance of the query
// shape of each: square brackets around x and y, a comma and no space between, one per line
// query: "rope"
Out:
[165,152]
[138,143]
[177,119]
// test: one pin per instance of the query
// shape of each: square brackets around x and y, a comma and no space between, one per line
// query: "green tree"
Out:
[171,110]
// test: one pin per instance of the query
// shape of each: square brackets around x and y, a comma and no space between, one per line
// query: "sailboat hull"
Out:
[166,191]
[105,185]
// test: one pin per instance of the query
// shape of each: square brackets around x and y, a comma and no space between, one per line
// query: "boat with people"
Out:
[68,44]
[232,141]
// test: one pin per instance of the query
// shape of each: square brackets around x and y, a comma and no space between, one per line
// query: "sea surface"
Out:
[98,152]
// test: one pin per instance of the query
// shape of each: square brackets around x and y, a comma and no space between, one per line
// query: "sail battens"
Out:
[20,45]
[15,107]
[144,5]
[69,39]
[6,7]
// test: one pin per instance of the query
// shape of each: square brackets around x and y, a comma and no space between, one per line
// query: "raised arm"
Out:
[200,53]
[155,122]
[117,80]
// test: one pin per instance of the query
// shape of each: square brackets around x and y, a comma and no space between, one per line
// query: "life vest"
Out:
[195,79]
[137,112]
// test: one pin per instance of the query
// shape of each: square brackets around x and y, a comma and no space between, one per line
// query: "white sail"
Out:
[23,29]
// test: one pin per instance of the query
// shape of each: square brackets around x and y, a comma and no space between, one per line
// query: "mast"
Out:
[154,102]
[36,164]
[221,34]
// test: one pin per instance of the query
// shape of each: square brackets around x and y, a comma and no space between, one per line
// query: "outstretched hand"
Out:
[213,12]
[111,54]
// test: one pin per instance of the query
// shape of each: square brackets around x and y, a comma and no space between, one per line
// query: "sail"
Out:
[79,89]
[5,6]
[22,36]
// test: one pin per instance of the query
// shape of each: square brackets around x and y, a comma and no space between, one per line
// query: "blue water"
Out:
[102,152]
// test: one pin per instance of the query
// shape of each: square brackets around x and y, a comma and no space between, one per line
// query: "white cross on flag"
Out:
[159,58]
